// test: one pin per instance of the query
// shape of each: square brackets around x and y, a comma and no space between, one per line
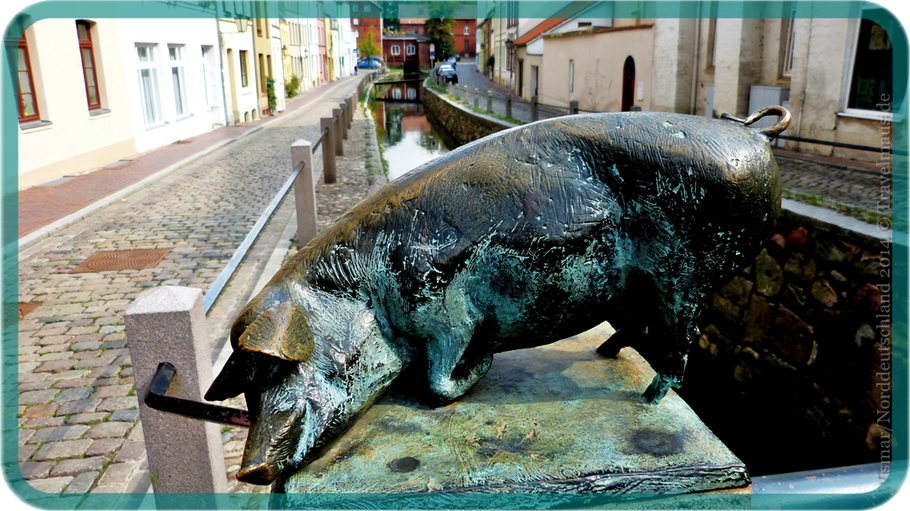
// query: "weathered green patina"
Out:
[514,241]
[510,434]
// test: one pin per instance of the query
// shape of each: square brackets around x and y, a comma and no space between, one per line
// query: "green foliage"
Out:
[292,86]
[390,18]
[367,47]
[270,92]
[441,9]
[440,30]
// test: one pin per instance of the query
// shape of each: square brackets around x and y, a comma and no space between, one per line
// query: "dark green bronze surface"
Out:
[514,241]
[554,419]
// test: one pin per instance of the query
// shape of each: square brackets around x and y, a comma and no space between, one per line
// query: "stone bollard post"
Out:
[448,88]
[476,98]
[465,93]
[533,108]
[328,147]
[339,143]
[489,100]
[305,191]
[351,106]
[573,107]
[167,324]
[509,106]
[344,120]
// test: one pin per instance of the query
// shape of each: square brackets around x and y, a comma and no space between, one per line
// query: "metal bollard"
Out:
[489,100]
[328,148]
[533,108]
[304,191]
[339,143]
[344,120]
[573,107]
[508,106]
[476,98]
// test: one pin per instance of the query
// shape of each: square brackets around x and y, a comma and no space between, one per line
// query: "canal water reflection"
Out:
[410,138]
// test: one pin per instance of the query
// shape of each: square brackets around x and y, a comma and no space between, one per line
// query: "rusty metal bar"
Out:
[157,399]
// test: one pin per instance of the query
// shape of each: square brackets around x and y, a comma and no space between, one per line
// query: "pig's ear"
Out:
[280,332]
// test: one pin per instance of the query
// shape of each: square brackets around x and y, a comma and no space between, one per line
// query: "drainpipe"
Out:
[693,97]
[802,106]
[224,110]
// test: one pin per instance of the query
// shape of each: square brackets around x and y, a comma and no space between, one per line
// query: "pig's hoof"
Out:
[657,390]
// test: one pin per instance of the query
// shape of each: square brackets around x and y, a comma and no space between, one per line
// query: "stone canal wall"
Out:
[461,122]
[796,349]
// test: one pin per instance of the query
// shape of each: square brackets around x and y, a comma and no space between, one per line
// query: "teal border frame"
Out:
[527,9]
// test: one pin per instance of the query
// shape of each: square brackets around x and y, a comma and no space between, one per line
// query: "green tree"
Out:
[440,30]
[441,26]
[367,47]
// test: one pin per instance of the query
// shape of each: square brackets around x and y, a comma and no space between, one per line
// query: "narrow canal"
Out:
[409,136]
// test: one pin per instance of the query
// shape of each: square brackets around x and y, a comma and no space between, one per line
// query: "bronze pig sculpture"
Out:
[516,240]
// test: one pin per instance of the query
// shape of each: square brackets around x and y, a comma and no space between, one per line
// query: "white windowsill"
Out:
[184,117]
[156,126]
[874,115]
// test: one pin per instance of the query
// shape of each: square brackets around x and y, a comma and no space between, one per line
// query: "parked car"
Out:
[452,60]
[443,67]
[450,76]
[369,63]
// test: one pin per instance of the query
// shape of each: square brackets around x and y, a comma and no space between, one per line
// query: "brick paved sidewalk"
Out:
[78,417]
[40,206]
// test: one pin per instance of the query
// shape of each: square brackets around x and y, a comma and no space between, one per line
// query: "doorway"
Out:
[628,84]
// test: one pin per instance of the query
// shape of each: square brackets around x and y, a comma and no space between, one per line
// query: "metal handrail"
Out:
[319,141]
[217,287]
[156,398]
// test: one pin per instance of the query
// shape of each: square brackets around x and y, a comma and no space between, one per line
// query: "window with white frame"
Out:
[148,83]
[178,78]
[396,50]
[412,93]
[356,22]
[467,30]
[411,49]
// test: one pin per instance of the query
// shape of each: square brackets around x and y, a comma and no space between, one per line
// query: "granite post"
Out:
[305,191]
[167,324]
[328,147]
[336,129]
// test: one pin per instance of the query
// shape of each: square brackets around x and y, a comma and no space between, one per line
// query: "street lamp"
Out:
[242,23]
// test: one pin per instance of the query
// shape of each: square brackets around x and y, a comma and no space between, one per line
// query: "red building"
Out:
[413,25]
[466,37]
[398,48]
[366,19]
